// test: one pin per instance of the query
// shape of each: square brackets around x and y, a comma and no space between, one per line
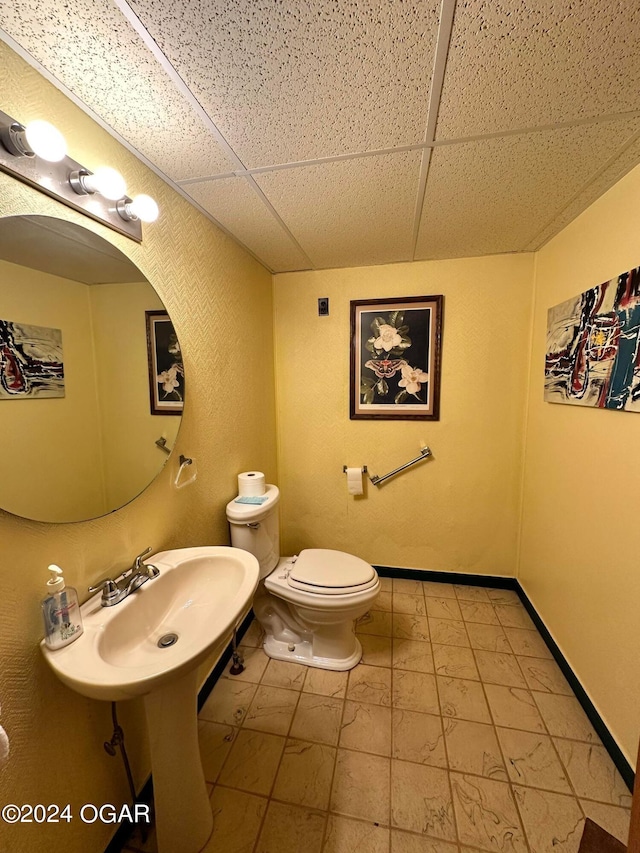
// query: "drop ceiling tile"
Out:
[92,50]
[239,208]
[494,195]
[611,175]
[349,212]
[286,82]
[524,63]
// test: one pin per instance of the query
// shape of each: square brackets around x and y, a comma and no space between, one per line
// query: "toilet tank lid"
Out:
[245,513]
[333,569]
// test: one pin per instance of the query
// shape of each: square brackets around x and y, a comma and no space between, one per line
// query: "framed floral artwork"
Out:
[395,358]
[166,372]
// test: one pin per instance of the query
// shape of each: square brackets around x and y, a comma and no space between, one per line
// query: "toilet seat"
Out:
[322,571]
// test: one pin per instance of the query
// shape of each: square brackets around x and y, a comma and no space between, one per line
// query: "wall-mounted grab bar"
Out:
[424,453]
[162,444]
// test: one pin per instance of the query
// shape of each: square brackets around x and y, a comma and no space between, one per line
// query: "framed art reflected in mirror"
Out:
[166,371]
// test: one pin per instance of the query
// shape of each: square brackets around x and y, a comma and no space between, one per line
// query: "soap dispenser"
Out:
[60,611]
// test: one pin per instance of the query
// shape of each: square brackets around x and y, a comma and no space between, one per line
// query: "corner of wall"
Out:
[525,414]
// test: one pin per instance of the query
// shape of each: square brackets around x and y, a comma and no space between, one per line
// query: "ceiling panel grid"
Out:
[516,64]
[495,195]
[287,82]
[302,127]
[350,212]
[94,52]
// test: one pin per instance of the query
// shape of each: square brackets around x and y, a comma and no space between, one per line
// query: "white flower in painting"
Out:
[412,378]
[389,338]
[169,379]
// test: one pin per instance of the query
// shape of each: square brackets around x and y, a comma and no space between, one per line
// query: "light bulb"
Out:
[46,141]
[106,181]
[144,208]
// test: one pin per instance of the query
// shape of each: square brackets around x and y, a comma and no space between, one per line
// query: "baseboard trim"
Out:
[617,756]
[501,582]
[145,795]
[495,581]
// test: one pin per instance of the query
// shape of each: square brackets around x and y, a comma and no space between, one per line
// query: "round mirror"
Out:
[91,376]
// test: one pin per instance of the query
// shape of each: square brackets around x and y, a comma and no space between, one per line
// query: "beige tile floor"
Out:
[456,733]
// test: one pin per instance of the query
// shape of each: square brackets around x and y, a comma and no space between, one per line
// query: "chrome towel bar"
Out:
[425,452]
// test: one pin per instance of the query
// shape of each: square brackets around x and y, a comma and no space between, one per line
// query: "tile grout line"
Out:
[440,715]
[335,764]
[284,748]
[456,825]
[547,732]
[391,740]
[495,733]
[394,669]
[393,737]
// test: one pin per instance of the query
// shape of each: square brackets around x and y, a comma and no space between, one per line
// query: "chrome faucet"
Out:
[115,591]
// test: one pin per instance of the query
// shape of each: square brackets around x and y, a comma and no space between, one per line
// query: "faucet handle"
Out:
[137,563]
[107,585]
[109,590]
[150,571]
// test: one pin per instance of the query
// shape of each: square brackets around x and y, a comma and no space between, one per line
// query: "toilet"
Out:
[307,604]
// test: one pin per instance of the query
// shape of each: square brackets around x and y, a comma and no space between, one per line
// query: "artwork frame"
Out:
[592,353]
[31,361]
[383,383]
[166,370]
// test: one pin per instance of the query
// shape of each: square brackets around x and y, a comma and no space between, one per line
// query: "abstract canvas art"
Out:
[30,361]
[592,356]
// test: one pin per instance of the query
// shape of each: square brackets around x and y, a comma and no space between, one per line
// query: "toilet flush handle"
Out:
[254,525]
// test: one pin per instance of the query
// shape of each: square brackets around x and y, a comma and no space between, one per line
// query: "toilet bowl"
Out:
[308,603]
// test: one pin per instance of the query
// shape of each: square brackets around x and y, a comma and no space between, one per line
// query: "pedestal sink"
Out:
[198,597]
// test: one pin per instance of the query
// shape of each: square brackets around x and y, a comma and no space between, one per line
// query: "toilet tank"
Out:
[256,528]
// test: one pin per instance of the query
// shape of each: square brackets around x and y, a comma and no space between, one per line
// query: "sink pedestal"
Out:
[184,820]
[199,595]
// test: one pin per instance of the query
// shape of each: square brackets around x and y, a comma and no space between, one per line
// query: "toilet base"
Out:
[303,653]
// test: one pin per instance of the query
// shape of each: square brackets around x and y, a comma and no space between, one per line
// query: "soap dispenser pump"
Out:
[60,611]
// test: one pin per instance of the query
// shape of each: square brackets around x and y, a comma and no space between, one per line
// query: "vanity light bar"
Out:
[36,155]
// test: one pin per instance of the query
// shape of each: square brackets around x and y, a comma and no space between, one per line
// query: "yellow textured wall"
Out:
[128,429]
[579,558]
[220,300]
[456,512]
[30,473]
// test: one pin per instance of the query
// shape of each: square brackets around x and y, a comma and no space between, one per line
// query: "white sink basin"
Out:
[199,595]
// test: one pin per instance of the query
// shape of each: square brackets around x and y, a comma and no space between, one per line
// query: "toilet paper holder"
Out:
[344,469]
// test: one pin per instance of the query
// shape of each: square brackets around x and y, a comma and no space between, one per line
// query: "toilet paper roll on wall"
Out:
[354,481]
[251,484]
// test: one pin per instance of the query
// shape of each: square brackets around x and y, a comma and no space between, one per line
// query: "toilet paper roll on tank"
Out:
[251,484]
